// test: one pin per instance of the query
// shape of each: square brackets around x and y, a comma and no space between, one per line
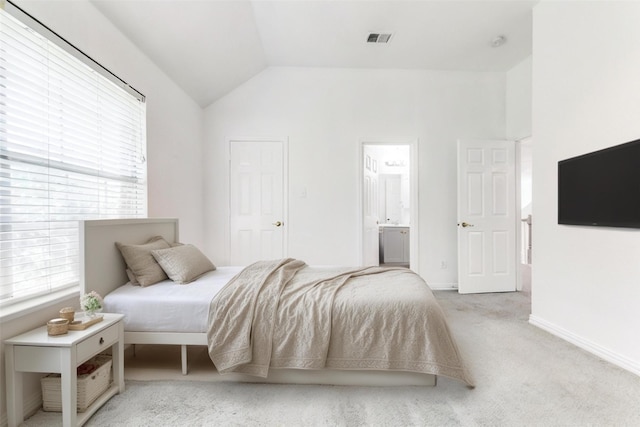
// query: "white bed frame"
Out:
[102,269]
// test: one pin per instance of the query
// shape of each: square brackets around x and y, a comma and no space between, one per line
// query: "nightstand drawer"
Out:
[96,343]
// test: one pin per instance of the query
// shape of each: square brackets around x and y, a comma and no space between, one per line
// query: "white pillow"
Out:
[183,264]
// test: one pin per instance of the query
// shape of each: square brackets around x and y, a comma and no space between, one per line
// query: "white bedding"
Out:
[168,306]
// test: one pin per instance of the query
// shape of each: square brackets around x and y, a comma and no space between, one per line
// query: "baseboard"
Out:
[31,405]
[593,348]
[443,286]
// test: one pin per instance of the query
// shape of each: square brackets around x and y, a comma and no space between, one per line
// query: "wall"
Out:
[518,100]
[586,280]
[326,113]
[174,140]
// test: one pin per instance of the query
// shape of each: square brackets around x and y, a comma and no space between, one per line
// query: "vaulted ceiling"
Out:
[209,47]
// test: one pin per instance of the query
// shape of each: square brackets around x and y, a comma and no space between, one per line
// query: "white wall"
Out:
[174,139]
[586,280]
[518,100]
[325,113]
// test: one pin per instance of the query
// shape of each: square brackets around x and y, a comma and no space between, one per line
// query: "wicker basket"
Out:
[57,326]
[67,313]
[90,386]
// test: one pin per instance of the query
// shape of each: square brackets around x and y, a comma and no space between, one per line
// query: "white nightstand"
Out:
[36,351]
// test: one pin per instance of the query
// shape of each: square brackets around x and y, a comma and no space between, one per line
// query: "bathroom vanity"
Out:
[394,244]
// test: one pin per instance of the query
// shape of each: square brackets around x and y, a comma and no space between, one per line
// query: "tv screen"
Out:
[601,188]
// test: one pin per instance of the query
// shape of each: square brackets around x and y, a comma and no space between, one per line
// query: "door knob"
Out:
[277,223]
[466,224]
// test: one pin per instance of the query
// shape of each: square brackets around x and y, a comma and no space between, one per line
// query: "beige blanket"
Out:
[285,314]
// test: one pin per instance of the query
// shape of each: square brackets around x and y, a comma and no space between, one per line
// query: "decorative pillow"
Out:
[183,264]
[132,278]
[140,261]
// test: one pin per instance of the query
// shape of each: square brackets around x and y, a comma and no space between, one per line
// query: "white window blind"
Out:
[72,147]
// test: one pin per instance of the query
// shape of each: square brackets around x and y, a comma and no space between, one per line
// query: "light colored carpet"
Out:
[524,377]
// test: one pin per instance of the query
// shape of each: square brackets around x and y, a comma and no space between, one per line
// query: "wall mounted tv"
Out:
[601,188]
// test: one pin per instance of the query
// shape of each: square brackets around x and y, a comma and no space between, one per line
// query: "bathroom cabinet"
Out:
[394,245]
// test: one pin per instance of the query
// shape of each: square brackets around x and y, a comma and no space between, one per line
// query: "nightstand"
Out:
[36,351]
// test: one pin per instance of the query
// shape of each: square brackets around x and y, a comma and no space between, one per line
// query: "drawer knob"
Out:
[101,340]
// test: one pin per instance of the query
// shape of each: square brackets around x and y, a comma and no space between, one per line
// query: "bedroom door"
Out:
[486,216]
[256,200]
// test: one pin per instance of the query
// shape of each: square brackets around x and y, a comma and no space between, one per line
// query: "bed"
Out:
[270,344]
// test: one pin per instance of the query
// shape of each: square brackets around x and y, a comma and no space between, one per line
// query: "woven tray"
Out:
[84,322]
[90,386]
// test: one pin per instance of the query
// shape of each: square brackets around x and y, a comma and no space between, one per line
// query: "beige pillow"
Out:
[140,261]
[132,278]
[183,264]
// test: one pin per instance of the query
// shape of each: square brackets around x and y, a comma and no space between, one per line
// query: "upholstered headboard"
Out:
[102,268]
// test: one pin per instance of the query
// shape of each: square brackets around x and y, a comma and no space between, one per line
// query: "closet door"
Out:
[256,200]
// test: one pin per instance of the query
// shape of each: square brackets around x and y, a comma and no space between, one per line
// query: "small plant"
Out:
[91,302]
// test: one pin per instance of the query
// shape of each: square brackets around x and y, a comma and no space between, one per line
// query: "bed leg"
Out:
[134,349]
[183,356]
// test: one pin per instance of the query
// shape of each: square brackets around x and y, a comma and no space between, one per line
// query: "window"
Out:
[72,147]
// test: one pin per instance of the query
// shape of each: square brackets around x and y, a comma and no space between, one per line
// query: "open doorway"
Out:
[389,204]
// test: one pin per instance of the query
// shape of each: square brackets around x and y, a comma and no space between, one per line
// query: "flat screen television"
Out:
[601,188]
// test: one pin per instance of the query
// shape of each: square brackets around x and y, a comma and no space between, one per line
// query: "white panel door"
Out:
[486,216]
[256,201]
[370,210]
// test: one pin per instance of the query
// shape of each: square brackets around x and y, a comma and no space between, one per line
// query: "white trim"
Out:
[518,173]
[593,348]
[31,404]
[518,164]
[443,286]
[34,304]
[414,176]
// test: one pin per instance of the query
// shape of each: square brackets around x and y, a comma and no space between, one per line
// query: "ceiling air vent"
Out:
[379,37]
